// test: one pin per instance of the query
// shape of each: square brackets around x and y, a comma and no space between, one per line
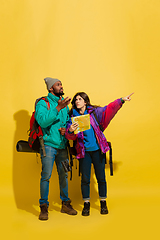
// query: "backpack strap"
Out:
[45,99]
[110,159]
[71,159]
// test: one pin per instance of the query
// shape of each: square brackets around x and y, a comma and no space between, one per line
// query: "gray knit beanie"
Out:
[50,82]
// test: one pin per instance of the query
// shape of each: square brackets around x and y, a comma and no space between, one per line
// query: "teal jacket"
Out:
[51,121]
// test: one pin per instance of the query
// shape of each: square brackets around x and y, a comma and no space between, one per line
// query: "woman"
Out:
[91,145]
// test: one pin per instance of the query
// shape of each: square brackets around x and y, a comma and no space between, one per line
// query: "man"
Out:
[53,123]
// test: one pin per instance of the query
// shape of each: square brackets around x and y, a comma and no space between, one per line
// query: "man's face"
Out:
[57,89]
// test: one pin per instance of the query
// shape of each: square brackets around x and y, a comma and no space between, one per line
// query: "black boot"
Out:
[104,209]
[86,209]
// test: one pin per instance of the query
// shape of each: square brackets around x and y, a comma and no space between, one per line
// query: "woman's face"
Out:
[80,103]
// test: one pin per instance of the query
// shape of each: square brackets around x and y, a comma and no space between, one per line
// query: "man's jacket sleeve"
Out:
[43,116]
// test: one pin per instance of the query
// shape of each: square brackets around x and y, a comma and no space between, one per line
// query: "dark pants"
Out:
[98,161]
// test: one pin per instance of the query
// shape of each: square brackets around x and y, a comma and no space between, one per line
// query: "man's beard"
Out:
[59,94]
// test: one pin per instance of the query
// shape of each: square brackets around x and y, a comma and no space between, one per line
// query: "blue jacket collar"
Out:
[75,113]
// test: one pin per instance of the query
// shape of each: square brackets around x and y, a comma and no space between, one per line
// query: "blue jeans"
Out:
[98,161]
[57,155]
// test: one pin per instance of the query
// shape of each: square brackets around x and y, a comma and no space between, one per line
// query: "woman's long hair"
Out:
[86,99]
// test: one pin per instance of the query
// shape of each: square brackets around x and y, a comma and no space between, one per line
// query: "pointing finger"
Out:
[131,94]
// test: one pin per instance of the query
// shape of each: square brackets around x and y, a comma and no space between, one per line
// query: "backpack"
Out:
[35,138]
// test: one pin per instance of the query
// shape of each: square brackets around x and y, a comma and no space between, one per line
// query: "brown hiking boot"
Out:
[67,208]
[44,212]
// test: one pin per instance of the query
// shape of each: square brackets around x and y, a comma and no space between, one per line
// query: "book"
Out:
[83,123]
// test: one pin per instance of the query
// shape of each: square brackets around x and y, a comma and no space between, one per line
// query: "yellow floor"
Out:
[133,214]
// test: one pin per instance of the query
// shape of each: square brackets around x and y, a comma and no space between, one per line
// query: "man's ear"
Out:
[51,89]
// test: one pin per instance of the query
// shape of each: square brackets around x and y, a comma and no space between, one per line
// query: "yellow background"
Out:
[107,48]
